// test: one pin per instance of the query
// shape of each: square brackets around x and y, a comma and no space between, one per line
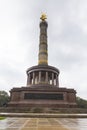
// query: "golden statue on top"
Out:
[43,17]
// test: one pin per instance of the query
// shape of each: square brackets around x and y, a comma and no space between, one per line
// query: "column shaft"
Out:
[43,47]
[39,76]
[46,77]
[28,79]
[52,78]
[33,77]
[56,80]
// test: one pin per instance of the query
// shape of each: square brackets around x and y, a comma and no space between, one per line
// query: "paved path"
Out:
[43,124]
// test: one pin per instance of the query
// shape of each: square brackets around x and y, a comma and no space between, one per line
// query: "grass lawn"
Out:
[1,118]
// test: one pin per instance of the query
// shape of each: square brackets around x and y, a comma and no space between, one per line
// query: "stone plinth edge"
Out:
[43,115]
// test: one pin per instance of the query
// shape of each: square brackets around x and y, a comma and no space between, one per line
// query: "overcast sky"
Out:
[67,41]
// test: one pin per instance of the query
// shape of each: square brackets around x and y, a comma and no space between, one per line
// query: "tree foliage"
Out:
[81,102]
[4,98]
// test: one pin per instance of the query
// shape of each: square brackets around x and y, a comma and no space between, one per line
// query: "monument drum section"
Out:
[42,89]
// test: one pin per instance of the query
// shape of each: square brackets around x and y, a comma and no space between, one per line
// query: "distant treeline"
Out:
[82,103]
[4,98]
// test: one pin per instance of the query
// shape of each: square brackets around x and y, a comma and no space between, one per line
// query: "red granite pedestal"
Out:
[43,96]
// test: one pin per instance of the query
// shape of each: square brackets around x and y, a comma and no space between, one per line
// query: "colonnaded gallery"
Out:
[42,89]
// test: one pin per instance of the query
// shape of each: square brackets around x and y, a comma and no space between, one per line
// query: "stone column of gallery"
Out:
[43,53]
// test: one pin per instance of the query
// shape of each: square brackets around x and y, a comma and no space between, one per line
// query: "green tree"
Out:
[81,102]
[4,98]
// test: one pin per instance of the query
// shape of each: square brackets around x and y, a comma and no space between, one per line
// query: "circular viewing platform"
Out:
[42,74]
